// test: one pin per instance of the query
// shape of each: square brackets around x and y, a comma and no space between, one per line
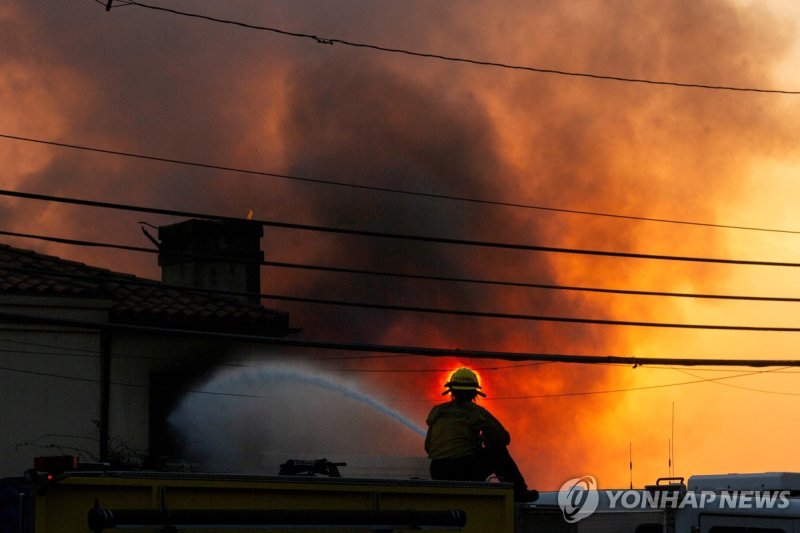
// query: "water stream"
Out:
[269,412]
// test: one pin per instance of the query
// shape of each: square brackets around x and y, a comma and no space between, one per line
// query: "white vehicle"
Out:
[731,503]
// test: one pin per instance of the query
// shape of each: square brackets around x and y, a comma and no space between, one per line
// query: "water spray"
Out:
[284,374]
[270,412]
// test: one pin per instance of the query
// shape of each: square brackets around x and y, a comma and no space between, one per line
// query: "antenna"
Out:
[630,461]
[672,443]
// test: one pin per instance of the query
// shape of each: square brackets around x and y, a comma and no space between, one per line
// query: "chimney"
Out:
[213,254]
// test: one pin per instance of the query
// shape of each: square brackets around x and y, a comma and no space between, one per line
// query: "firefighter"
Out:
[466,443]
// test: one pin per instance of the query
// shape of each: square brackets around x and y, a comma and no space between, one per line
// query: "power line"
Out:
[436,370]
[374,234]
[398,349]
[778,371]
[243,395]
[120,384]
[520,284]
[476,314]
[577,393]
[499,203]
[429,55]
[649,387]
[47,374]
[641,388]
[611,391]
[540,396]
[740,387]
[84,352]
[254,363]
[529,317]
[94,355]
[77,242]
[631,389]
[340,270]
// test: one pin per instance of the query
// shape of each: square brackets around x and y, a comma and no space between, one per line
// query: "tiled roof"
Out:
[133,300]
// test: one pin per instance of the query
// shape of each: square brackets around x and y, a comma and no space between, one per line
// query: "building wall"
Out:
[49,382]
[149,374]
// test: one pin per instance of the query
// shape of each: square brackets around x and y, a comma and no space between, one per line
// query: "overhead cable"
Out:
[93,353]
[741,387]
[630,389]
[379,234]
[423,277]
[441,311]
[457,59]
[320,181]
[539,396]
[265,396]
[529,317]
[77,242]
[486,314]
[399,349]
[119,384]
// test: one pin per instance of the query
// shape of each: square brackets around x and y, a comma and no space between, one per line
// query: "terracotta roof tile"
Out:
[133,300]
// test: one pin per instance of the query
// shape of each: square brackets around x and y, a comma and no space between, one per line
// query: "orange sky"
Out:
[141,81]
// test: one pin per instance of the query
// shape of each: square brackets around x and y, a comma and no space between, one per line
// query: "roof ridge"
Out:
[32,272]
[55,258]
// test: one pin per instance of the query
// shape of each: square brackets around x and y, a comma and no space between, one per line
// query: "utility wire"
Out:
[628,389]
[243,395]
[545,286]
[371,234]
[255,363]
[579,393]
[398,349]
[528,317]
[93,354]
[390,189]
[632,389]
[476,314]
[428,55]
[84,352]
[566,394]
[48,374]
[77,242]
[120,384]
[435,370]
[740,387]
[321,268]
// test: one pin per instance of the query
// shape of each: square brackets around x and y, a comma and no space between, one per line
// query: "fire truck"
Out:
[60,496]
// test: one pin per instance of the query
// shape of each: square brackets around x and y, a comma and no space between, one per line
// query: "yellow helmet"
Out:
[463,379]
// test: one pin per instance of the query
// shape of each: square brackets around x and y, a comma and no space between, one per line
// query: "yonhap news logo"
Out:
[579,498]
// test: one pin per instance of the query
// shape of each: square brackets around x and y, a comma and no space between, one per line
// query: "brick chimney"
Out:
[213,254]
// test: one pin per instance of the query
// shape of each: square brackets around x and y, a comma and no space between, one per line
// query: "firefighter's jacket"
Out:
[458,429]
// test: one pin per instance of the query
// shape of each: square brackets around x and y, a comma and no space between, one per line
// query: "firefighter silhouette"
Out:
[465,442]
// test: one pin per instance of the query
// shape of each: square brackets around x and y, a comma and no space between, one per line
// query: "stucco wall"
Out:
[49,382]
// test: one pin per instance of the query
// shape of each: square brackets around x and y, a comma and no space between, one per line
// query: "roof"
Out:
[134,300]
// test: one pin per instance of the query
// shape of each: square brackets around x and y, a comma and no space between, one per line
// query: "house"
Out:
[92,361]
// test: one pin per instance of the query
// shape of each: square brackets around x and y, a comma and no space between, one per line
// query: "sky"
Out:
[145,81]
